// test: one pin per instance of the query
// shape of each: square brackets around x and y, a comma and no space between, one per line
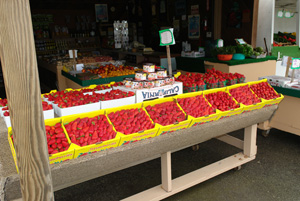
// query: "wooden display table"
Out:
[85,168]
[286,117]
[251,68]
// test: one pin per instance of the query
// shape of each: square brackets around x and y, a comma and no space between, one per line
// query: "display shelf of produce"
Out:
[85,168]
[85,83]
[287,91]
[239,62]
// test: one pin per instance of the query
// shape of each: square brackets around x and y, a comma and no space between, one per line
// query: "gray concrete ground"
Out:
[273,175]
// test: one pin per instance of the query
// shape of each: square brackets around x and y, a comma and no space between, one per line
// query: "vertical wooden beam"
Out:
[166,171]
[254,23]
[22,85]
[298,23]
[217,19]
[250,147]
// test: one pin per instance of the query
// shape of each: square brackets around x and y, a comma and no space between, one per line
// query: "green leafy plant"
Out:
[226,50]
[245,49]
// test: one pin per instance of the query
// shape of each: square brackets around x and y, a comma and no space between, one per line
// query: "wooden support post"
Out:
[250,148]
[19,64]
[166,171]
[169,60]
[74,60]
[288,65]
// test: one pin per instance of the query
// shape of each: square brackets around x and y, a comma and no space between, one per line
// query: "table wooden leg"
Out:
[166,171]
[250,148]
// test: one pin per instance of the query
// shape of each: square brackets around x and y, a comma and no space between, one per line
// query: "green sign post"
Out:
[167,39]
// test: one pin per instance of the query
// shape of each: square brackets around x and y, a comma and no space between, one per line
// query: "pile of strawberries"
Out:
[56,139]
[97,88]
[3,102]
[221,100]
[264,90]
[211,79]
[166,113]
[72,98]
[113,94]
[46,106]
[244,95]
[196,106]
[130,121]
[87,131]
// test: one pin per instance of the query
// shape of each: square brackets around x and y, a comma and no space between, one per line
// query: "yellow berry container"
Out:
[134,137]
[274,101]
[228,113]
[172,127]
[195,121]
[100,146]
[53,158]
[248,108]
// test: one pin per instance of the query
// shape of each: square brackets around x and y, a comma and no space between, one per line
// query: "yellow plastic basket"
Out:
[274,101]
[198,120]
[54,158]
[100,146]
[225,114]
[126,139]
[173,127]
[248,108]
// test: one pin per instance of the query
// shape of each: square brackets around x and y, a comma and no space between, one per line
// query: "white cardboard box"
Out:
[76,109]
[278,81]
[99,92]
[117,102]
[48,114]
[7,121]
[2,112]
[293,86]
[154,93]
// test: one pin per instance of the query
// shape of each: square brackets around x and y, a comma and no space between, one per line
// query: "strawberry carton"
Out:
[90,132]
[48,110]
[196,106]
[246,97]
[167,114]
[3,109]
[59,146]
[7,118]
[224,102]
[222,82]
[3,102]
[266,92]
[73,102]
[132,122]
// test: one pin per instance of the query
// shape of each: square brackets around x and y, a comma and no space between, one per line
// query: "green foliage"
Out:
[259,49]
[225,50]
[245,49]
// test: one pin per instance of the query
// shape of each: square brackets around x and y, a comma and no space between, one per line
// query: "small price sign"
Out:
[166,37]
[295,63]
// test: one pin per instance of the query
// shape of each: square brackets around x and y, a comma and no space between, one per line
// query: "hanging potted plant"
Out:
[225,53]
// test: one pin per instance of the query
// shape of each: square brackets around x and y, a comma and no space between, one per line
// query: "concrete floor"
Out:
[273,175]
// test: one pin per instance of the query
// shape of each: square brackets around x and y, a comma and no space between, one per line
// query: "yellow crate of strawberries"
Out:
[132,122]
[265,91]
[195,105]
[167,114]
[246,97]
[90,132]
[220,99]
[60,147]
